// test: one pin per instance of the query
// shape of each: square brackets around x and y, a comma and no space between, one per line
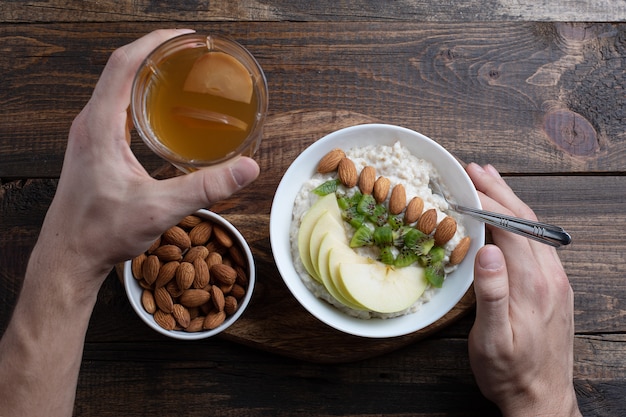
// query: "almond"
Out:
[150,269]
[230,305]
[147,301]
[167,253]
[217,296]
[397,201]
[166,273]
[237,291]
[459,252]
[330,161]
[367,178]
[427,221]
[165,320]
[137,264]
[201,233]
[201,277]
[195,325]
[214,319]
[196,252]
[154,245]
[381,189]
[214,258]
[222,237]
[173,288]
[194,298]
[181,315]
[237,255]
[445,231]
[163,300]
[223,274]
[190,222]
[413,210]
[347,172]
[177,236]
[242,277]
[185,274]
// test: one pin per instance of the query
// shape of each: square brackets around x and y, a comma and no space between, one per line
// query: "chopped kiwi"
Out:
[327,187]
[363,236]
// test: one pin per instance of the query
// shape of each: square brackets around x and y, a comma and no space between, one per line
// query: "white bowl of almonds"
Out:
[195,280]
[362,241]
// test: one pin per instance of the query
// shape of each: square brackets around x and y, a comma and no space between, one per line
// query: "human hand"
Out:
[521,344]
[107,208]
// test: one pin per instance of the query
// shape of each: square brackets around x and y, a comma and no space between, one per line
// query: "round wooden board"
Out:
[274,320]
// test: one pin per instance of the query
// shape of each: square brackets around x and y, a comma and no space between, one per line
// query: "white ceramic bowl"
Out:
[304,167]
[134,290]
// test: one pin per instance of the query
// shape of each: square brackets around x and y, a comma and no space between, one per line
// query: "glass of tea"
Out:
[200,100]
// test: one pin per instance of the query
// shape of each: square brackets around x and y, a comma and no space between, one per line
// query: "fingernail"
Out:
[492,170]
[244,171]
[490,258]
[474,166]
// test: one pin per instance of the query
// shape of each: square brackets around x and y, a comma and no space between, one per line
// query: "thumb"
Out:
[202,188]
[491,285]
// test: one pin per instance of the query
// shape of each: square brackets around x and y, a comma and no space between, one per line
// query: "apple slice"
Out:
[343,253]
[221,75]
[381,288]
[330,243]
[327,224]
[321,206]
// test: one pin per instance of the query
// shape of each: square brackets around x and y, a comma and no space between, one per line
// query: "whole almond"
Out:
[445,231]
[147,301]
[367,178]
[166,273]
[214,246]
[194,298]
[346,170]
[167,253]
[196,324]
[413,210]
[427,221]
[165,320]
[177,236]
[214,319]
[237,291]
[381,189]
[185,274]
[214,258]
[173,288]
[223,274]
[222,237]
[459,252]
[217,297]
[237,255]
[397,201]
[181,315]
[190,222]
[163,299]
[201,233]
[196,252]
[230,305]
[150,269]
[330,161]
[242,277]
[201,277]
[136,265]
[154,245]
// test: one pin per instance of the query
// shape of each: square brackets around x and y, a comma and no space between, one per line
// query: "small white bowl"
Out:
[304,167]
[134,290]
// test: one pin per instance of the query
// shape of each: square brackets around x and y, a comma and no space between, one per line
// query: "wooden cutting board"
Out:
[274,320]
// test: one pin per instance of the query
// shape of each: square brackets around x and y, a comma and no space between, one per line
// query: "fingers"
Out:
[112,92]
[202,188]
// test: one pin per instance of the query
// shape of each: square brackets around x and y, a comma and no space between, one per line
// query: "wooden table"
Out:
[536,90]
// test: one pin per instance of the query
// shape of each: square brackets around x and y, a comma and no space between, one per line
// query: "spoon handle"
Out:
[545,233]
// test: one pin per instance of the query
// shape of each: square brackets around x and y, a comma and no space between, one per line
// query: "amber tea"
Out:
[201,104]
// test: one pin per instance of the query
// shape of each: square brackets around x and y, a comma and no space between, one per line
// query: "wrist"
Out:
[558,406]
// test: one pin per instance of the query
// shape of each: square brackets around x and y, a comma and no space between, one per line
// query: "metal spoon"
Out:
[542,232]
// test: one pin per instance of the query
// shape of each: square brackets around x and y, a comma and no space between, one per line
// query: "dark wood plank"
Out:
[302,10]
[530,97]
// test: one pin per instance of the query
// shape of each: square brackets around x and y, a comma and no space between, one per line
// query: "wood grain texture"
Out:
[302,10]
[480,89]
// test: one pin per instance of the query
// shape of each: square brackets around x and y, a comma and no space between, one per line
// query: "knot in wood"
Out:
[571,132]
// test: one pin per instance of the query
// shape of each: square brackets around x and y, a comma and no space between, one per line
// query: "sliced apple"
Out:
[330,243]
[343,253]
[327,224]
[221,75]
[381,288]
[327,203]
